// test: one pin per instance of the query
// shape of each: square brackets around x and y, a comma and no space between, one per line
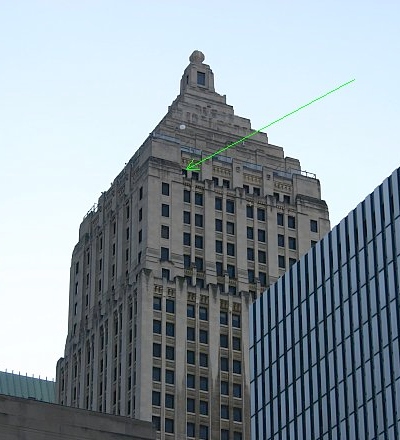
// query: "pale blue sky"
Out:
[82,83]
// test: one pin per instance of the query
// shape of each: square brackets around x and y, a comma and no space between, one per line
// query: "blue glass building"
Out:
[324,339]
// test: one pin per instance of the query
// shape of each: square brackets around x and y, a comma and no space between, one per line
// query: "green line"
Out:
[192,165]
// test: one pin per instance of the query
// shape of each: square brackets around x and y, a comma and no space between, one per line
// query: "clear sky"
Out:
[82,83]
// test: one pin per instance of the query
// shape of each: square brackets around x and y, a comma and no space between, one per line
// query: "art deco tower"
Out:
[169,261]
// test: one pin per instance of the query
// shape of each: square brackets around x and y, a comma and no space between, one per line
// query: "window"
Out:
[224,412]
[170,306]
[164,231]
[204,336]
[186,261]
[237,390]
[281,240]
[261,214]
[190,429]
[291,222]
[218,266]
[141,193]
[195,175]
[230,206]
[165,210]
[156,423]
[218,203]
[156,398]
[186,217]
[198,199]
[261,235]
[165,189]
[203,383]
[225,183]
[169,400]
[203,360]
[230,249]
[237,435]
[231,270]
[251,275]
[190,358]
[198,220]
[216,181]
[230,228]
[157,374]
[224,364]
[126,255]
[292,261]
[184,171]
[186,238]
[190,311]
[140,235]
[203,313]
[223,318]
[313,225]
[292,243]
[186,196]
[218,246]
[198,241]
[170,352]
[225,388]
[235,320]
[225,434]
[281,262]
[250,233]
[169,425]
[203,407]
[262,276]
[262,257]
[232,290]
[279,219]
[127,211]
[190,333]
[237,414]
[170,376]
[201,78]
[250,254]
[286,199]
[191,381]
[191,405]
[164,254]
[249,211]
[203,432]
[113,249]
[170,329]
[156,326]
[140,215]
[218,225]
[237,366]
[313,243]
[236,343]
[223,341]
[156,303]
[199,264]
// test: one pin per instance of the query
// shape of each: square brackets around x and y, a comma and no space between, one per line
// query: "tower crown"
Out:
[197,76]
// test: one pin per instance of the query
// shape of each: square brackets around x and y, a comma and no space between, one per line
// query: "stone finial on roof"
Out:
[197,57]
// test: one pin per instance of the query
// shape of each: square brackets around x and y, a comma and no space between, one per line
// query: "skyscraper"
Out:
[324,339]
[168,262]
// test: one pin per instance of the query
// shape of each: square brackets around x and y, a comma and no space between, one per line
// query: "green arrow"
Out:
[195,166]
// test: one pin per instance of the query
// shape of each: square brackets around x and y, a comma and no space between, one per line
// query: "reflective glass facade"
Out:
[324,339]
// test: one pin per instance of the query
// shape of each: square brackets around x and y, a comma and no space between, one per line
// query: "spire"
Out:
[197,76]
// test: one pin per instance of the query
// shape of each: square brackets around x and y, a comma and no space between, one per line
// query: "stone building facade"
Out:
[169,261]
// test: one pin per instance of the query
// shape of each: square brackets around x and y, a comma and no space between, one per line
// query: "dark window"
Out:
[198,199]
[190,311]
[281,262]
[276,196]
[140,236]
[230,228]
[126,256]
[140,215]
[170,329]
[165,189]
[186,238]
[237,366]
[218,225]
[232,290]
[237,390]
[313,225]
[261,235]
[169,400]
[292,261]
[191,405]
[225,388]
[261,214]
[156,303]
[201,78]
[186,217]
[190,381]
[157,374]
[216,181]
[127,212]
[230,206]
[262,276]
[246,189]
[218,246]
[203,313]
[237,435]
[156,350]
[218,203]
[170,376]
[170,352]
[203,360]
[156,326]
[195,175]
[203,407]
[249,211]
[235,320]
[170,306]
[250,254]
[224,412]
[198,241]
[165,210]
[226,183]
[156,399]
[251,275]
[203,383]
[186,261]
[190,333]
[199,264]
[141,193]
[236,343]
[203,432]
[225,434]
[198,220]
[156,423]
[256,191]
[313,243]
[186,196]
[224,364]
[169,425]
[281,240]
[292,243]
[164,231]
[291,222]
[191,429]
[164,254]
[262,257]
[223,318]
[230,249]
[250,233]
[279,219]
[220,287]
[219,270]
[184,173]
[190,356]
[286,199]
[223,341]
[237,414]
[231,270]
